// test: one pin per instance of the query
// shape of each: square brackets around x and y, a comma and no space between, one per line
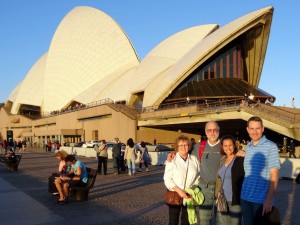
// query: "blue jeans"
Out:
[233,217]
[131,166]
[249,210]
[207,208]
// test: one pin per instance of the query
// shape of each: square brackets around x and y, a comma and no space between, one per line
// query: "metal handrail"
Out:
[271,113]
[79,107]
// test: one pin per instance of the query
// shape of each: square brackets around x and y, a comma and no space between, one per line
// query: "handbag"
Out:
[221,202]
[172,198]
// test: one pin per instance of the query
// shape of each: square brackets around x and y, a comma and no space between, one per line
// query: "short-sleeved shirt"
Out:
[209,162]
[83,176]
[259,159]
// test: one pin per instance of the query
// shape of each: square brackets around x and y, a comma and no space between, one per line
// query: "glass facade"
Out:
[227,63]
[222,76]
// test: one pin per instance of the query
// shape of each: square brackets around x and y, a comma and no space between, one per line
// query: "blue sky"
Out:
[27,28]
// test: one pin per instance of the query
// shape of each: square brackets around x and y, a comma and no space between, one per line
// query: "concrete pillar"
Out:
[297,151]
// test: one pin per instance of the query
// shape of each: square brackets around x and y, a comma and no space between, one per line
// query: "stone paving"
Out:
[115,199]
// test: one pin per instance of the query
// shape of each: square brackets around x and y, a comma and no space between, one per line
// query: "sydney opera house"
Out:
[90,84]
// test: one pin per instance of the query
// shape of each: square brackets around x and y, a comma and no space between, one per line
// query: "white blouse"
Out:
[130,153]
[175,172]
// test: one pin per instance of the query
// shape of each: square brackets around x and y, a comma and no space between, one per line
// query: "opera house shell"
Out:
[91,84]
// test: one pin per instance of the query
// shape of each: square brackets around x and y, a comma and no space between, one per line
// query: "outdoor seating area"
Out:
[80,193]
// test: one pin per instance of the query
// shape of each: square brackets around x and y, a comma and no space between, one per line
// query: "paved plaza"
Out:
[115,199]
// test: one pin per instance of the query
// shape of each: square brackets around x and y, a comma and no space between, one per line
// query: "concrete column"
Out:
[297,151]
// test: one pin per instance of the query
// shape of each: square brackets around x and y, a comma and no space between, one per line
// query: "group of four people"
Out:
[249,179]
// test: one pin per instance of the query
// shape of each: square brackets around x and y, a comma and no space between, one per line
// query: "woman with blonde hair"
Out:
[62,168]
[181,175]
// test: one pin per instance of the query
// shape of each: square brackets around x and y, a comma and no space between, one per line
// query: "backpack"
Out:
[201,149]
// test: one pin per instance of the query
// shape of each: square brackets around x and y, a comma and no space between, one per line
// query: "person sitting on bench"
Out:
[10,157]
[77,176]
[63,168]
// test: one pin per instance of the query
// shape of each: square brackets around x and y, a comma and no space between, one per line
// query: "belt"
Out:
[207,182]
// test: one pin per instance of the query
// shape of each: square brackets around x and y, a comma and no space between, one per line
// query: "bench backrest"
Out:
[18,157]
[92,174]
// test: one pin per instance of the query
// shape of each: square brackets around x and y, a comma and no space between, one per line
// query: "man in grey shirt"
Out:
[209,157]
[116,155]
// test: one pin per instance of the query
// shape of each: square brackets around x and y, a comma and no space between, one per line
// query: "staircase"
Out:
[130,112]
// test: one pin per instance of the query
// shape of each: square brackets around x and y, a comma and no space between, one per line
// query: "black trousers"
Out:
[141,164]
[174,213]
[292,154]
[117,165]
[51,185]
[102,161]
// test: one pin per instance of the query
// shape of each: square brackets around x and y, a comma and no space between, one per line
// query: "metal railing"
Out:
[131,113]
[271,113]
[78,107]
[201,104]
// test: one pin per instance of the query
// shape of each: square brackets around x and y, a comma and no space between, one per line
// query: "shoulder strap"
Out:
[146,151]
[201,149]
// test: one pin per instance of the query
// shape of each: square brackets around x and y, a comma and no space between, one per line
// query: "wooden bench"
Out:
[82,193]
[13,166]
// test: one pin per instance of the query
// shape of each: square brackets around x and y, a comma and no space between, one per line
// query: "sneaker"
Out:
[147,170]
[139,170]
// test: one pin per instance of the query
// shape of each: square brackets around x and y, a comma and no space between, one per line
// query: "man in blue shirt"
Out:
[261,166]
[77,176]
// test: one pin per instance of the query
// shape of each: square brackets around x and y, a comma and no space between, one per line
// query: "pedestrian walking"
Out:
[292,149]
